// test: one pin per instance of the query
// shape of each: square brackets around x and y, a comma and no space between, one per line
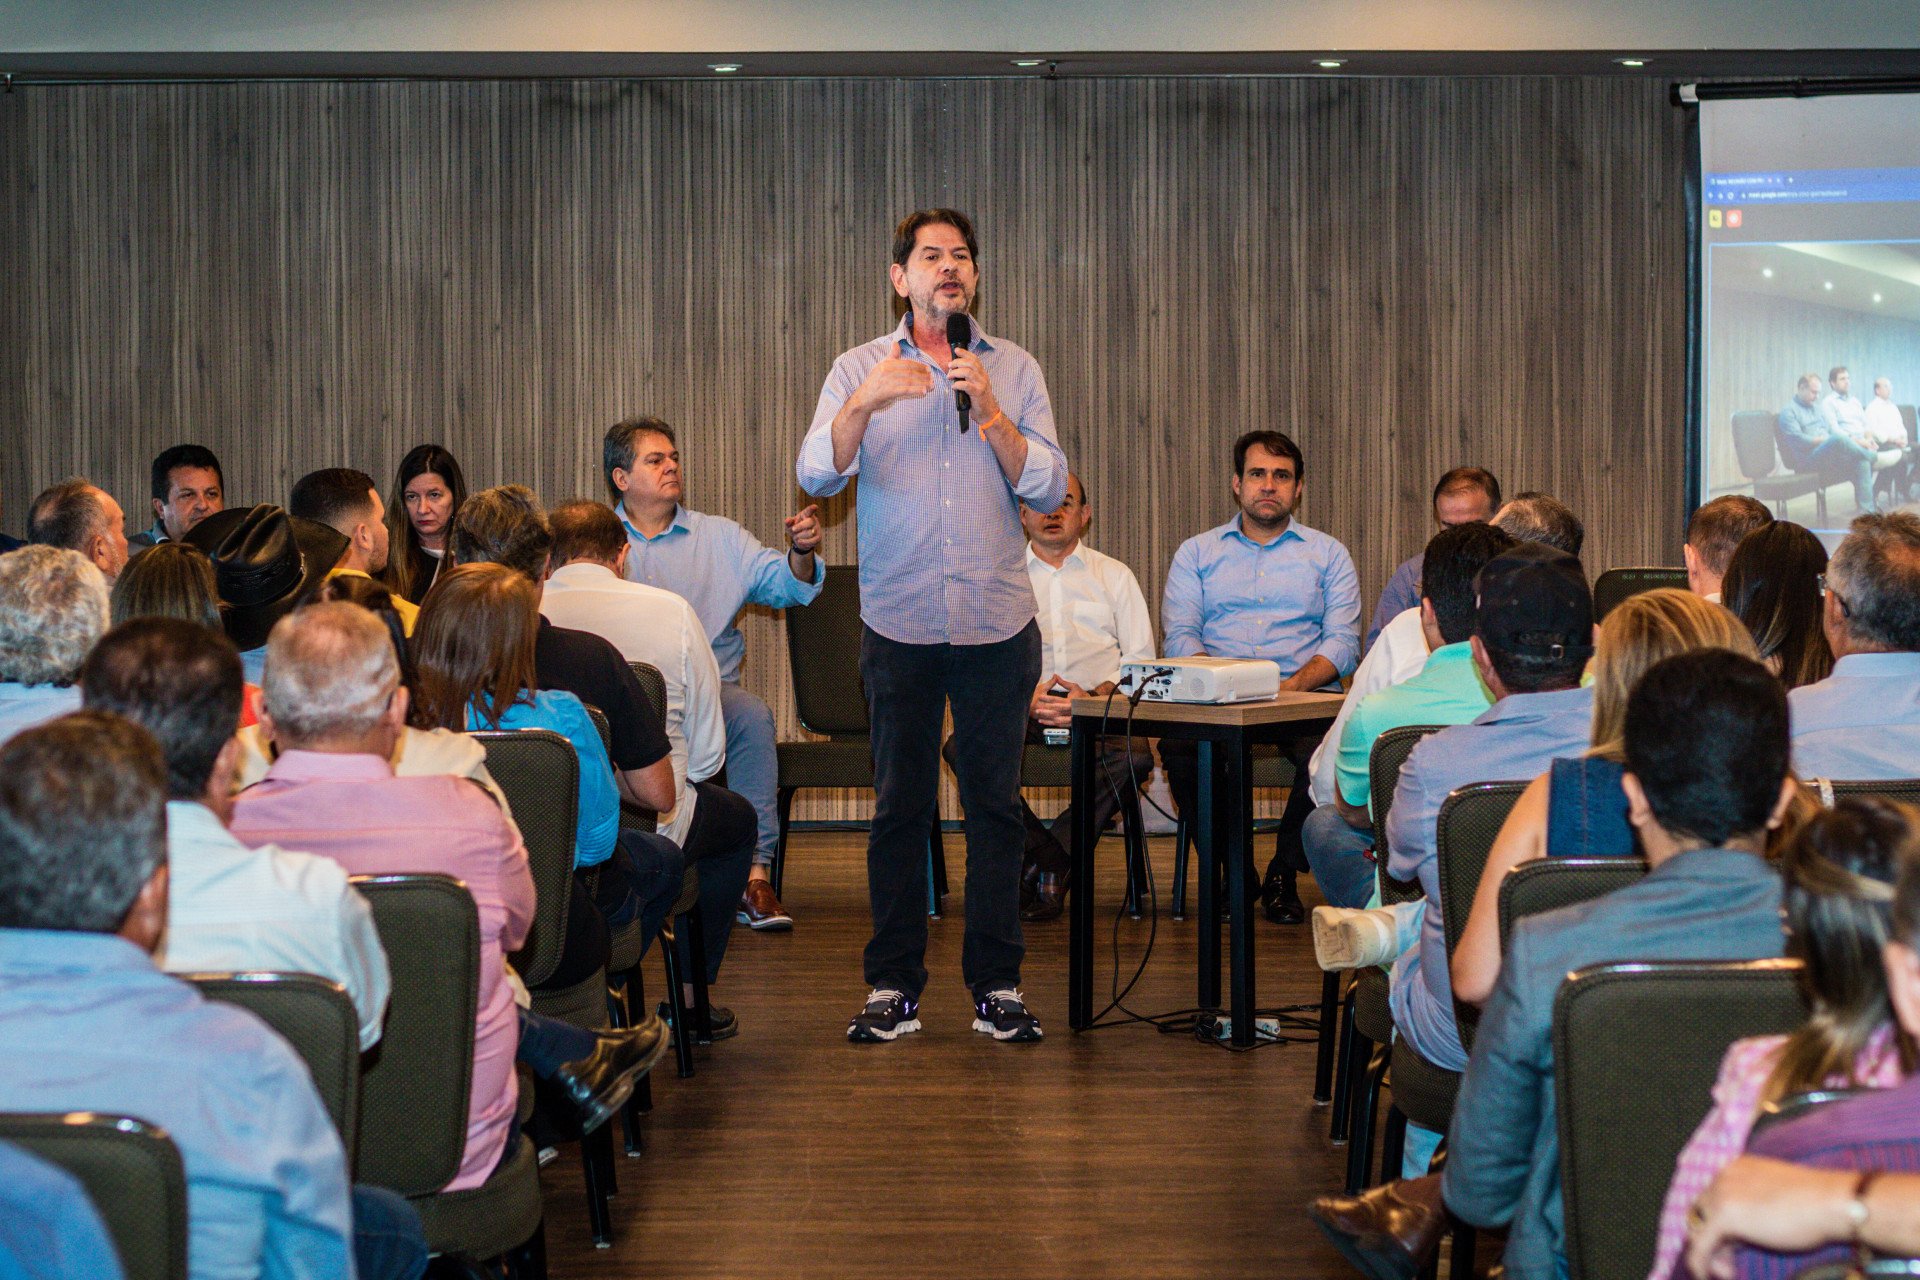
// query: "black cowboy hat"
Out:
[265,563]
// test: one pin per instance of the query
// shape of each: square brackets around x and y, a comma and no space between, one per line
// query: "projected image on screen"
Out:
[1811,315]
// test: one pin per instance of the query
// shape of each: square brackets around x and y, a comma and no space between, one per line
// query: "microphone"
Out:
[959,336]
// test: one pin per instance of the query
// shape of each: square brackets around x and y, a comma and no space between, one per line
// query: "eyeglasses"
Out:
[1846,610]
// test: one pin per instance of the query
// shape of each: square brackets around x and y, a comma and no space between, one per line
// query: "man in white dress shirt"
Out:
[229,907]
[1092,618]
[586,590]
[1888,430]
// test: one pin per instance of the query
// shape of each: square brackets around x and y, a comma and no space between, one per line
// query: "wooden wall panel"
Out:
[1406,274]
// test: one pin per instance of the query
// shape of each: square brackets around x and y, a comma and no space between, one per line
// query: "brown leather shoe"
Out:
[1048,901]
[760,910]
[1389,1231]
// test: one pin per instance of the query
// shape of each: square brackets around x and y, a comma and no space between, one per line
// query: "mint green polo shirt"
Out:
[1447,691]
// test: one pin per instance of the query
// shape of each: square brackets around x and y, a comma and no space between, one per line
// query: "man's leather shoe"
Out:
[1029,877]
[1388,1232]
[1049,899]
[599,1083]
[1281,901]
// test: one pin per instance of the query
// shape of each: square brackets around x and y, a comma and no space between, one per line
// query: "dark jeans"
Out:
[547,1044]
[1181,757]
[641,878]
[1123,766]
[1840,457]
[908,686]
[388,1241]
[720,840]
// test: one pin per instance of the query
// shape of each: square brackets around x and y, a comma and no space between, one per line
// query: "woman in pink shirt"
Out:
[1836,901]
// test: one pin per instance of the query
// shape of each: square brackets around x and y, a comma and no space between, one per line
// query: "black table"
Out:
[1223,828]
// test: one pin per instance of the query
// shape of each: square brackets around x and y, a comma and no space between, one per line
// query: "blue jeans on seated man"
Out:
[753,764]
[388,1241]
[1841,457]
[1340,856]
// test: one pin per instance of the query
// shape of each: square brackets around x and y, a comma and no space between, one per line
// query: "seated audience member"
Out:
[1339,837]
[1219,603]
[78,516]
[1887,429]
[1092,618]
[265,564]
[90,1024]
[1706,779]
[1838,873]
[345,501]
[229,907]
[427,494]
[188,486]
[1773,587]
[1713,532]
[48,1225]
[475,651]
[713,826]
[1576,809]
[1532,636]
[177,583]
[1462,495]
[1539,517]
[1842,1175]
[719,568]
[53,607]
[1863,721]
[334,705]
[1808,442]
[505,525]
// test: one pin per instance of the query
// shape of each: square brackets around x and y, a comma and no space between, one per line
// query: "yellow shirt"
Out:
[409,611]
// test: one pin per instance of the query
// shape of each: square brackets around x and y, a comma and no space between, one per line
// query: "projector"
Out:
[1201,679]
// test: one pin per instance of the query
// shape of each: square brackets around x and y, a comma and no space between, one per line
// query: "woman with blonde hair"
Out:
[1576,808]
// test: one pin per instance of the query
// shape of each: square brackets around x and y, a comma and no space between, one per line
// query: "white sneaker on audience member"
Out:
[1352,938]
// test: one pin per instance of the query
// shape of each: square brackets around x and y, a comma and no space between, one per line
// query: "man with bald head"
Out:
[80,516]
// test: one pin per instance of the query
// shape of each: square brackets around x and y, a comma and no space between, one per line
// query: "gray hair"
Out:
[1876,571]
[83,822]
[331,673]
[68,515]
[53,608]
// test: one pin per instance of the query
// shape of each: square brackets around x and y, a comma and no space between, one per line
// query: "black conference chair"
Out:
[316,1017]
[131,1171]
[1759,461]
[1636,1049]
[823,648]
[1616,585]
[415,1083]
[1548,884]
[1470,820]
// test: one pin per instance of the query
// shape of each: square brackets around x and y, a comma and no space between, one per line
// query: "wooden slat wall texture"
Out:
[1406,274]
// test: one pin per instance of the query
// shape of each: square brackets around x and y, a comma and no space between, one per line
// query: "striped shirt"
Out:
[943,559]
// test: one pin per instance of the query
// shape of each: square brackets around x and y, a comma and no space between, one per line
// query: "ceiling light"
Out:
[1329,64]
[1766,272]
[1631,62]
[1826,284]
[723,67]
[1876,297]
[1029,62]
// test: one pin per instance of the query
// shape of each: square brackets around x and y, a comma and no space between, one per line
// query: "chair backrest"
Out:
[652,683]
[1616,585]
[1753,443]
[1876,1268]
[133,1174]
[823,648]
[540,772]
[1796,1105]
[415,1083]
[1905,789]
[1390,751]
[1636,1049]
[600,726]
[1469,820]
[315,1016]
[1547,884]
[1907,418]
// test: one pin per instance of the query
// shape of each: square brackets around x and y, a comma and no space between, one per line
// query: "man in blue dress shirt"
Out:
[1462,496]
[719,568]
[1863,721]
[90,1024]
[947,606]
[1263,585]
[1809,442]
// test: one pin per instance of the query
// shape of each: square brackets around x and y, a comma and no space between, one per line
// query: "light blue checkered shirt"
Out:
[942,554]
[1289,600]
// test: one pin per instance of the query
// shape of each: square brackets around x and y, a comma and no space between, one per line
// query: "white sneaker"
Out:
[1350,938]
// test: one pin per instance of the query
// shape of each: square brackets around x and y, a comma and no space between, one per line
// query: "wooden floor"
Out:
[1122,1152]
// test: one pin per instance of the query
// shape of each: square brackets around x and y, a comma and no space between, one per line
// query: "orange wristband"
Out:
[998,416]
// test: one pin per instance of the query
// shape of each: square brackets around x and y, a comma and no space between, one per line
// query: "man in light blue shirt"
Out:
[718,568]
[90,1024]
[947,606]
[1863,721]
[1461,495]
[1533,634]
[1263,585]
[1808,442]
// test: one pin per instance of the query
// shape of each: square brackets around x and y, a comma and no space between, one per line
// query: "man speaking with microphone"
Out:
[949,431]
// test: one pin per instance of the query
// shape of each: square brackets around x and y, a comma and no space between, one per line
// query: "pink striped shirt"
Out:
[352,808]
[1723,1134]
